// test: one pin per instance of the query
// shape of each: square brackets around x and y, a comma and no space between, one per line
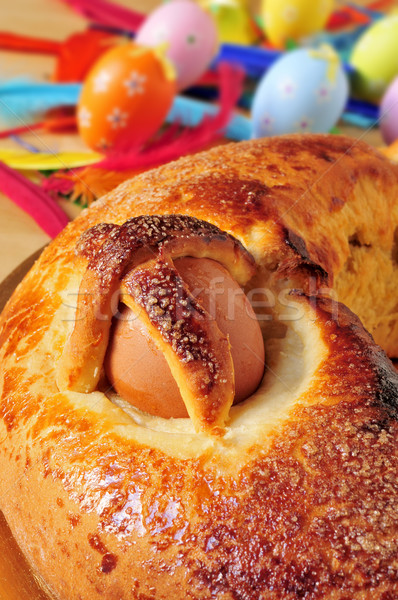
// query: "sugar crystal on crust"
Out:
[179,320]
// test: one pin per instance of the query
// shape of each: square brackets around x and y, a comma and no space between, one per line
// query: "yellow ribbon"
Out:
[327,53]
[159,51]
[168,68]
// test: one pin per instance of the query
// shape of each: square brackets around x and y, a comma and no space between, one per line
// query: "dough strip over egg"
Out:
[197,352]
[195,348]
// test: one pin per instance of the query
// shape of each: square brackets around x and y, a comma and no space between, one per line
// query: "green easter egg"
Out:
[375,59]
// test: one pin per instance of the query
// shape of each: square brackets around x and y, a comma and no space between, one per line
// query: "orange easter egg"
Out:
[125,98]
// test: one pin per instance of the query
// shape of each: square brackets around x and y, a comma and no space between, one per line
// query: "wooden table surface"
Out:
[51,19]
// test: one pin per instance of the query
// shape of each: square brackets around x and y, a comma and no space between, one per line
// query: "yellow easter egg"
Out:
[375,59]
[233,21]
[294,19]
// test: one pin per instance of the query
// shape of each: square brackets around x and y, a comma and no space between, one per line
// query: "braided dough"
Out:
[290,494]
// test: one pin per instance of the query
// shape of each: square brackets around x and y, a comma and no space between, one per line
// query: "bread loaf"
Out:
[292,493]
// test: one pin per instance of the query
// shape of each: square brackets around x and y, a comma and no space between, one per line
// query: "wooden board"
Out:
[10,283]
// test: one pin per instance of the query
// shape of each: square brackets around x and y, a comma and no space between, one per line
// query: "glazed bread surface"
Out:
[298,496]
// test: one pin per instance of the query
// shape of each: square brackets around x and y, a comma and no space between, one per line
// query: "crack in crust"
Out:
[197,352]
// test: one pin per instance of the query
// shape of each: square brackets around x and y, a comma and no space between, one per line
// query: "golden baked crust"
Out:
[330,201]
[299,499]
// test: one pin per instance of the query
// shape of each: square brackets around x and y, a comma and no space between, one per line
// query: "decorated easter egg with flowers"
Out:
[294,19]
[189,35]
[125,98]
[306,90]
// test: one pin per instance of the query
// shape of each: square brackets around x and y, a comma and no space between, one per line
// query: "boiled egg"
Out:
[137,368]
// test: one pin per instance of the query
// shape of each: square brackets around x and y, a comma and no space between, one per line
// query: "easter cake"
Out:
[287,492]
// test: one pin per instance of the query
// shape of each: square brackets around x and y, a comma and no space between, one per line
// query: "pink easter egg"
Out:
[389,113]
[190,36]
